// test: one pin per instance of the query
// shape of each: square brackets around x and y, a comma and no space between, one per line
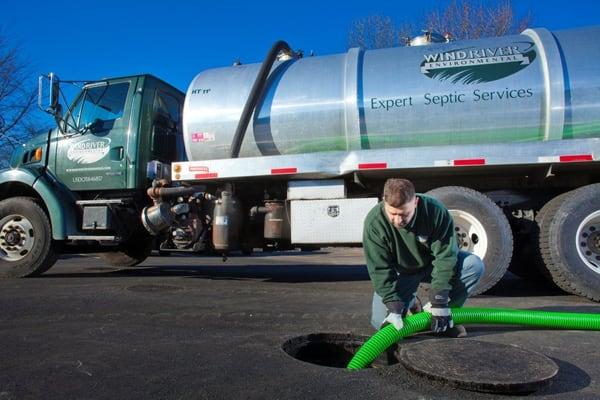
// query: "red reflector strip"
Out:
[576,157]
[275,171]
[372,166]
[473,161]
[206,176]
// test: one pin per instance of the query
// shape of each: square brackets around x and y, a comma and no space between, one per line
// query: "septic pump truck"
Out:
[294,152]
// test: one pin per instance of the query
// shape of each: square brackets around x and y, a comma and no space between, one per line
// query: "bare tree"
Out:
[462,19]
[374,31]
[465,19]
[377,31]
[16,96]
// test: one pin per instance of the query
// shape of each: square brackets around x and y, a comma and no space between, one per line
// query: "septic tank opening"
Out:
[333,349]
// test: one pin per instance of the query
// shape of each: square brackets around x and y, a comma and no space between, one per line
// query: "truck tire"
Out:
[570,243]
[26,246]
[481,228]
[543,219]
[131,253]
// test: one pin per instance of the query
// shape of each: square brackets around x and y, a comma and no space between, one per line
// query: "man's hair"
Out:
[397,192]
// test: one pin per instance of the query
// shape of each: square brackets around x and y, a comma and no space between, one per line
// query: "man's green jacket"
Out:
[428,239]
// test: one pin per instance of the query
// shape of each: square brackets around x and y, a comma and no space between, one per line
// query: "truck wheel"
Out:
[543,219]
[132,252]
[481,228]
[570,243]
[26,247]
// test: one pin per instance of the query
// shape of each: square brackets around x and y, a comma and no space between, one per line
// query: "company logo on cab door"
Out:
[89,151]
[478,65]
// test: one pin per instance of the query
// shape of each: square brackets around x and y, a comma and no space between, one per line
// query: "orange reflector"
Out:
[37,155]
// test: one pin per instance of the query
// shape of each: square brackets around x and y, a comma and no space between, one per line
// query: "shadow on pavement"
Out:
[266,273]
[569,379]
[513,286]
[237,254]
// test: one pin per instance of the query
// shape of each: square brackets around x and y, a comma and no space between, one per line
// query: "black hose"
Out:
[255,94]
[167,192]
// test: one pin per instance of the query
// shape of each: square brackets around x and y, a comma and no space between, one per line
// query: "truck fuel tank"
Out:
[227,223]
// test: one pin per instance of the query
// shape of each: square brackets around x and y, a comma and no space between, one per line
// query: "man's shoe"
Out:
[457,331]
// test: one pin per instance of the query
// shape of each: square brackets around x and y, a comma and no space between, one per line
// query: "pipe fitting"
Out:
[157,218]
[157,193]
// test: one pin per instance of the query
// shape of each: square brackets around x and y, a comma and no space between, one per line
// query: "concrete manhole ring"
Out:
[332,349]
[154,288]
[479,366]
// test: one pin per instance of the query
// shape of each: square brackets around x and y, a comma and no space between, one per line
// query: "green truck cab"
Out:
[82,186]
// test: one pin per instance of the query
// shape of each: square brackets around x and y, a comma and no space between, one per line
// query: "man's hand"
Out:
[396,311]
[441,317]
[394,319]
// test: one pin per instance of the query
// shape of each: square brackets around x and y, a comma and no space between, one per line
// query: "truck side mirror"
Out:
[50,103]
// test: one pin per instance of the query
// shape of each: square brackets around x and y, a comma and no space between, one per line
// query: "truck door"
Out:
[92,154]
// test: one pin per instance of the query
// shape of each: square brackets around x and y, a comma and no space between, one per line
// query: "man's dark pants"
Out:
[469,270]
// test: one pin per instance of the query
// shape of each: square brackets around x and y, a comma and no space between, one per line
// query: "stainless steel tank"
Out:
[538,85]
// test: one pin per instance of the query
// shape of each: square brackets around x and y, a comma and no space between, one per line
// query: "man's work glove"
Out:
[394,319]
[396,310]
[441,316]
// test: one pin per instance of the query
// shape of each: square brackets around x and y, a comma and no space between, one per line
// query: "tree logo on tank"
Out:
[88,151]
[478,65]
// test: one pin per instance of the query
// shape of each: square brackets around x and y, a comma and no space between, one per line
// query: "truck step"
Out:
[93,237]
[102,202]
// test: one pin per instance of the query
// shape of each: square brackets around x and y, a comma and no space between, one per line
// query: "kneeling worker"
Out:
[409,238]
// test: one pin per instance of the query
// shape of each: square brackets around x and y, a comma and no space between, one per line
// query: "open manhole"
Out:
[333,349]
[154,288]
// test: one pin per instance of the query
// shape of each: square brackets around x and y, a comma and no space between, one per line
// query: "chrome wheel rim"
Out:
[588,241]
[470,233]
[16,237]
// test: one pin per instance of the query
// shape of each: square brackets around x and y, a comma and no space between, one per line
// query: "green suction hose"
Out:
[389,335]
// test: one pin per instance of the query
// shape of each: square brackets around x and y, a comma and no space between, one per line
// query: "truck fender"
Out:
[58,201]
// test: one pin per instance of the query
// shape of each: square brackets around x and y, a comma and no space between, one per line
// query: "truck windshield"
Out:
[104,102]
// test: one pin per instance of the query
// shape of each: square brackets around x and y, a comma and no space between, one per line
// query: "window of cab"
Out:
[104,102]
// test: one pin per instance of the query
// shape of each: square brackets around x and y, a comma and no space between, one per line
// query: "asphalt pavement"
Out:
[183,327]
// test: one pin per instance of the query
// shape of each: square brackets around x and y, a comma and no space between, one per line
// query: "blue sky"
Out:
[175,40]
